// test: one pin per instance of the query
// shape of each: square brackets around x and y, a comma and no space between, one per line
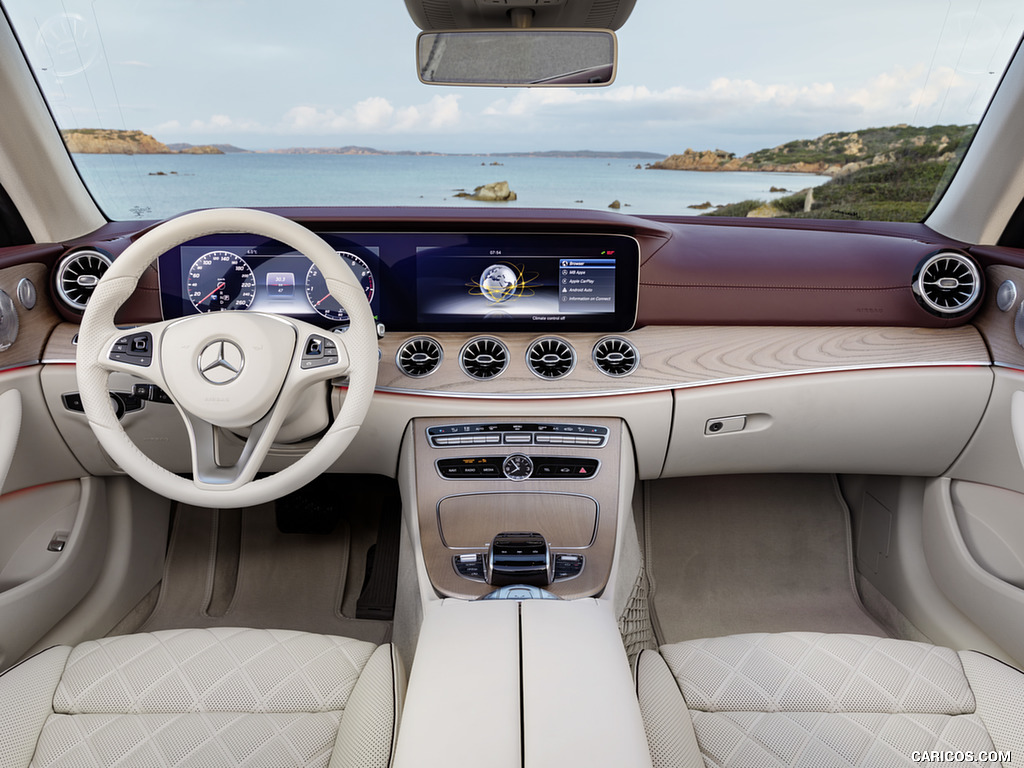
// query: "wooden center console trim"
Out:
[566,520]
[549,513]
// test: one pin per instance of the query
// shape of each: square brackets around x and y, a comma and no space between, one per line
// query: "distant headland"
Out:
[104,141]
[833,154]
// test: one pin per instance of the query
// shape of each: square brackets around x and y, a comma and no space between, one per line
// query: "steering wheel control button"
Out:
[320,351]
[221,362]
[518,466]
[134,349]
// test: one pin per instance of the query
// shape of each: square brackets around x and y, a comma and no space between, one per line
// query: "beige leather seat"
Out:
[203,697]
[819,700]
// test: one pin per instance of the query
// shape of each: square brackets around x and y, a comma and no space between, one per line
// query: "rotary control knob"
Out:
[517,467]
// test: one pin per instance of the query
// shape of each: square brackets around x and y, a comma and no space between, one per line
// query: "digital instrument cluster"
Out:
[417,282]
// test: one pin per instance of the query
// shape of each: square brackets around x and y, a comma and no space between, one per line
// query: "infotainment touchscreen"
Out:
[518,283]
[418,281]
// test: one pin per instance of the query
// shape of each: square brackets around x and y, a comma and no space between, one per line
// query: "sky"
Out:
[738,75]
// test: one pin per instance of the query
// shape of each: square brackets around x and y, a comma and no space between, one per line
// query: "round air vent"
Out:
[551,358]
[419,356]
[77,276]
[615,357]
[947,284]
[483,358]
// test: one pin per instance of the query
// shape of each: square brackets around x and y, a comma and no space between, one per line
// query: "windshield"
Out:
[827,110]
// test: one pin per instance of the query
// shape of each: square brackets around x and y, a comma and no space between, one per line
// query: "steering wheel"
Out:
[228,370]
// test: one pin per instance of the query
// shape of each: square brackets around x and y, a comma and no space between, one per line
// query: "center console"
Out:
[509,501]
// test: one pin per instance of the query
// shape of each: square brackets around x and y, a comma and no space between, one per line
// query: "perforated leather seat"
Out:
[203,697]
[819,700]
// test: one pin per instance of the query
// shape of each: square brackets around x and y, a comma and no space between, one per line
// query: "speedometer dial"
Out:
[220,280]
[320,298]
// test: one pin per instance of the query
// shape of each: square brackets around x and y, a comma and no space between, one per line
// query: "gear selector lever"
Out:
[519,558]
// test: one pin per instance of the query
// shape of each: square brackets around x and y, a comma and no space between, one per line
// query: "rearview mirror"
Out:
[517,57]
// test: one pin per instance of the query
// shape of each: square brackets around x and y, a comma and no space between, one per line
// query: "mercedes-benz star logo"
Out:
[221,362]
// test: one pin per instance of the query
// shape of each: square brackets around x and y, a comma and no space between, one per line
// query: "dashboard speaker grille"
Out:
[419,357]
[551,358]
[77,276]
[615,357]
[947,284]
[483,358]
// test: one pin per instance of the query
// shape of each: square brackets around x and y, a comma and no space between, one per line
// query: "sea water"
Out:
[157,186]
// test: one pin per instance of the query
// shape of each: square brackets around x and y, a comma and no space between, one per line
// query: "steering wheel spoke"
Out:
[207,470]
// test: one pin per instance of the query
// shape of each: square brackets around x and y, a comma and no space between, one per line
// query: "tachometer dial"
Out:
[220,280]
[320,298]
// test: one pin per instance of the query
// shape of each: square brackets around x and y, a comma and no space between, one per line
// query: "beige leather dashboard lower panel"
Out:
[885,422]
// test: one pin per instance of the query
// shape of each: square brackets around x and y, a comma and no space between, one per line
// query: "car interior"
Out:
[746,492]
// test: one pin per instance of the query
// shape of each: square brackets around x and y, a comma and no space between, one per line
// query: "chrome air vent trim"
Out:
[551,358]
[483,358]
[77,276]
[419,357]
[614,356]
[947,283]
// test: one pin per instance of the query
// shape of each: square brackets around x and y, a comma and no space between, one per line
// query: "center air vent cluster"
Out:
[483,358]
[77,276]
[551,358]
[947,284]
[419,357]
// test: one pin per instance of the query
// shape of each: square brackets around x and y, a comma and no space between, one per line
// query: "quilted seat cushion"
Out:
[207,697]
[816,700]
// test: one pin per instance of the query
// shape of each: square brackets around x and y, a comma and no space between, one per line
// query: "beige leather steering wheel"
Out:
[227,370]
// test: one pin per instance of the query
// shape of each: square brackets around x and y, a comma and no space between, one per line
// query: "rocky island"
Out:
[495,192]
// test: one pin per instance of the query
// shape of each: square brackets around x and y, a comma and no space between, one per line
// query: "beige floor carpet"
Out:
[229,568]
[753,553]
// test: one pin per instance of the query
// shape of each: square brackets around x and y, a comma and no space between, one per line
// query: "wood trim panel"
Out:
[59,348]
[603,488]
[567,519]
[34,325]
[995,325]
[679,356]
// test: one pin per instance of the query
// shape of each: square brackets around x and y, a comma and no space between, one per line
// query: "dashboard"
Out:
[418,281]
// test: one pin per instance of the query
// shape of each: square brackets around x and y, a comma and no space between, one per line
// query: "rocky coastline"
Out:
[715,160]
[101,141]
[832,154]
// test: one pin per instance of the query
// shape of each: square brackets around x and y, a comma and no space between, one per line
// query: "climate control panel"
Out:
[517,434]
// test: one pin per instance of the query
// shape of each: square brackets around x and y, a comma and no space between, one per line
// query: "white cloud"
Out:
[890,97]
[375,115]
